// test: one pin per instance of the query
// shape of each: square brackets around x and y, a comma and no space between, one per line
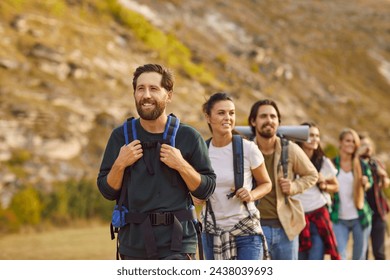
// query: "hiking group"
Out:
[181,197]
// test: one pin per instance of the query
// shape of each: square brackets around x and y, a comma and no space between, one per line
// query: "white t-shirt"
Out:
[229,212]
[312,198]
[347,210]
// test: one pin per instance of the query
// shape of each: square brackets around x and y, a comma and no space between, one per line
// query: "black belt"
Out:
[275,223]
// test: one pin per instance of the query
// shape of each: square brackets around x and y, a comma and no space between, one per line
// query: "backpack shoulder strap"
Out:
[284,161]
[238,164]
[284,157]
[238,161]
[130,134]
[336,162]
[208,142]
[171,128]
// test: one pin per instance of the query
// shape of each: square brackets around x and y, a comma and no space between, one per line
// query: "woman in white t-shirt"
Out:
[317,238]
[350,198]
[236,232]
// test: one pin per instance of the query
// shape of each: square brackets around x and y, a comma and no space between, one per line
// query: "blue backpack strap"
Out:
[171,129]
[133,129]
[126,130]
[128,135]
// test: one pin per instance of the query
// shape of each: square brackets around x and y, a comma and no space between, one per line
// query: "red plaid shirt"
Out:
[321,219]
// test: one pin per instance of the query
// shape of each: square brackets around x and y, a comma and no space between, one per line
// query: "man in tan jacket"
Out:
[282,217]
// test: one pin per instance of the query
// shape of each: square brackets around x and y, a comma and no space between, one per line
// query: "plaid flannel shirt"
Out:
[224,241]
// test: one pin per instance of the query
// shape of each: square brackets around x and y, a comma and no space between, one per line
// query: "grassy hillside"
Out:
[66,65]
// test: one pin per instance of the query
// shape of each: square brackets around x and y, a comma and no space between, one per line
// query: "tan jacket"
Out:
[291,214]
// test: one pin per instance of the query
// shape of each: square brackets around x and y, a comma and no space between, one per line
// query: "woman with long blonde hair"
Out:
[350,212]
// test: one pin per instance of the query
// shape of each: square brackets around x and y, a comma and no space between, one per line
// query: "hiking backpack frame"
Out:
[121,215]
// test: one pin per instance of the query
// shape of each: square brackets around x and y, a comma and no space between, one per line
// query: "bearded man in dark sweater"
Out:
[162,177]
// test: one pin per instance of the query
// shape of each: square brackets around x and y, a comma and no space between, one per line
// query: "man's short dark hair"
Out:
[255,109]
[167,80]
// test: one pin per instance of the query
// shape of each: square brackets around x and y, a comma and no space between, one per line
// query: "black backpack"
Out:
[238,165]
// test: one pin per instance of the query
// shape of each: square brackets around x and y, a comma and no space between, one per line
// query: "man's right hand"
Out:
[129,154]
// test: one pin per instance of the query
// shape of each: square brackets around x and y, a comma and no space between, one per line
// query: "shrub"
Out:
[85,201]
[55,205]
[8,221]
[330,151]
[27,206]
[19,157]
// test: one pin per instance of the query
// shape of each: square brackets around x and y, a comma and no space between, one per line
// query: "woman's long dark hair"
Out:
[318,154]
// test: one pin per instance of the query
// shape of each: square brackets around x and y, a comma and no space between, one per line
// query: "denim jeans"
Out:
[248,247]
[317,250]
[342,230]
[280,247]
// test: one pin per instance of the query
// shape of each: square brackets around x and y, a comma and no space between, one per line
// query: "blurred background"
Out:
[65,82]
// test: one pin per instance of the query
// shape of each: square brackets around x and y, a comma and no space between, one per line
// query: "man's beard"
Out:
[150,115]
[266,133]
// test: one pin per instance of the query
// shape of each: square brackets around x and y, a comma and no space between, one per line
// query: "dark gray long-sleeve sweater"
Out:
[159,189]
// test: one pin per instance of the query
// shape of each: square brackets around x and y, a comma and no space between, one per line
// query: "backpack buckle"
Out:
[157,219]
[230,195]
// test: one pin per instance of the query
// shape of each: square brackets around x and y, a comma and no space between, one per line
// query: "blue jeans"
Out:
[317,250]
[280,247]
[360,236]
[248,247]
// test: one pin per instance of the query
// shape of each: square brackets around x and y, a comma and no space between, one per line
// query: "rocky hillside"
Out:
[66,65]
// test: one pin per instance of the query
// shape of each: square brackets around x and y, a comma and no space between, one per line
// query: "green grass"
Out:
[84,243]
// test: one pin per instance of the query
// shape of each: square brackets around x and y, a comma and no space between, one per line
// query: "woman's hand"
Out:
[244,195]
[365,182]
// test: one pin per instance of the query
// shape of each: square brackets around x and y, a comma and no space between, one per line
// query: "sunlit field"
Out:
[83,243]
[86,243]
